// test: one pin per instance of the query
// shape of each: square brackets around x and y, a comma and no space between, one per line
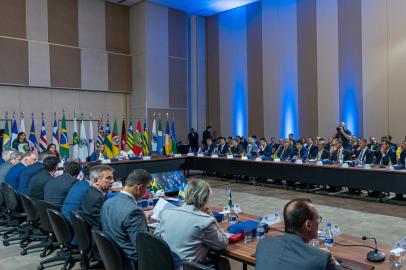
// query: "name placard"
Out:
[146,158]
[230,156]
[178,155]
[214,156]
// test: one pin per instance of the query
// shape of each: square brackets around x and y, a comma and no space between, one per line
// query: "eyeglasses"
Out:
[319,219]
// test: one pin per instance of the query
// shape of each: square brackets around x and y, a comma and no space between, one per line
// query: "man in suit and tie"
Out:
[193,140]
[264,148]
[364,154]
[386,156]
[39,180]
[209,148]
[13,176]
[122,219]
[340,154]
[236,148]
[322,152]
[311,148]
[30,171]
[374,145]
[101,177]
[284,151]
[222,147]
[55,191]
[299,152]
[291,251]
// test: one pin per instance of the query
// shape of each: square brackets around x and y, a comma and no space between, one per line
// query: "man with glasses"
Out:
[291,251]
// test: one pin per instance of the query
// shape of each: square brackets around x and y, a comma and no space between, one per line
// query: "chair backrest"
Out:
[195,266]
[110,252]
[61,227]
[81,229]
[29,208]
[10,197]
[153,253]
[42,207]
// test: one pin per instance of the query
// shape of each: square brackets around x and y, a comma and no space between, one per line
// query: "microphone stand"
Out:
[374,255]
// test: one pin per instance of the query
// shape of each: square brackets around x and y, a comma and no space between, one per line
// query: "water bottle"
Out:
[328,239]
[260,230]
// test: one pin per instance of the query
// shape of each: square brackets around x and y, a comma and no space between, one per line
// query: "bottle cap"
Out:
[328,224]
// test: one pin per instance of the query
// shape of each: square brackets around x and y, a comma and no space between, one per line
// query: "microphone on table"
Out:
[374,255]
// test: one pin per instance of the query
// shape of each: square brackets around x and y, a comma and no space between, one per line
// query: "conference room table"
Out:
[379,179]
[349,257]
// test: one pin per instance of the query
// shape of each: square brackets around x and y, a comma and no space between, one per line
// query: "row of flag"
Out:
[83,145]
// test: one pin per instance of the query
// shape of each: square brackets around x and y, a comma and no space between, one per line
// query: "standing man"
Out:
[193,140]
[344,135]
[206,134]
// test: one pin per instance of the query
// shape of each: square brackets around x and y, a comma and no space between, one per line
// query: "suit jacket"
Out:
[302,154]
[313,150]
[2,161]
[222,149]
[193,139]
[37,184]
[267,151]
[13,176]
[206,135]
[26,175]
[122,220]
[284,153]
[55,191]
[4,168]
[291,252]
[346,155]
[252,149]
[385,160]
[368,156]
[73,198]
[238,150]
[95,156]
[274,146]
[198,230]
[90,206]
[209,149]
[323,154]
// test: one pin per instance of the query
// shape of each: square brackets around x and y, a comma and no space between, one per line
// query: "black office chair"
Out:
[45,225]
[195,266]
[63,233]
[32,226]
[153,253]
[111,254]
[15,216]
[81,230]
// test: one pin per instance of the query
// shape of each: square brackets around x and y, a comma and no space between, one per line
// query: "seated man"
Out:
[364,154]
[194,221]
[322,152]
[402,157]
[311,148]
[340,154]
[285,150]
[291,251]
[92,201]
[30,171]
[252,147]
[222,147]
[236,148]
[39,180]
[5,156]
[386,156]
[264,148]
[13,158]
[273,144]
[13,176]
[75,194]
[55,191]
[299,152]
[209,148]
[122,219]
[98,155]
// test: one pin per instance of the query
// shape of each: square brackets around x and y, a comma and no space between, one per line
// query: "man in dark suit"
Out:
[236,148]
[299,152]
[344,135]
[122,219]
[322,152]
[292,251]
[273,144]
[374,145]
[193,140]
[209,148]
[340,154]
[285,150]
[311,148]
[30,171]
[387,155]
[92,201]
[39,180]
[13,158]
[222,147]
[264,148]
[364,154]
[13,176]
[206,135]
[55,191]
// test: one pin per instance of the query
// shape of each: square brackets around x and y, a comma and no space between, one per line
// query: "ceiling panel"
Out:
[194,7]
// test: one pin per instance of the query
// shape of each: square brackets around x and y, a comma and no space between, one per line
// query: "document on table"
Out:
[160,206]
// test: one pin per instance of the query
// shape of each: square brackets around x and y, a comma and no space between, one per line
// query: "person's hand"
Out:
[149,218]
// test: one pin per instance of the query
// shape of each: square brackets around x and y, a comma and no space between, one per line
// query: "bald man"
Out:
[291,251]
